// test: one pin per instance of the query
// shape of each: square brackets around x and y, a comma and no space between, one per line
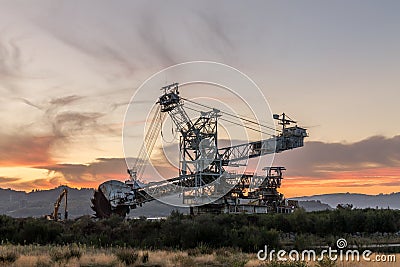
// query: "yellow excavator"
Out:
[55,216]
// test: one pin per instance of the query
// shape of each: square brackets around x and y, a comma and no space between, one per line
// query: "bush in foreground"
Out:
[127,256]
[60,254]
[7,256]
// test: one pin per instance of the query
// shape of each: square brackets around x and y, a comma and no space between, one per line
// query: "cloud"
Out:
[10,65]
[24,184]
[24,149]
[6,180]
[40,183]
[93,173]
[29,103]
[150,38]
[62,101]
[392,183]
[215,33]
[33,144]
[318,164]
[65,122]
[103,52]
[70,123]
[156,39]
[10,59]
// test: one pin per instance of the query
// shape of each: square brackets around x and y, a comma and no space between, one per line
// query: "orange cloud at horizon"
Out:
[368,181]
[369,166]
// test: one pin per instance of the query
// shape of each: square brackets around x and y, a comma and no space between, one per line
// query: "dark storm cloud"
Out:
[316,158]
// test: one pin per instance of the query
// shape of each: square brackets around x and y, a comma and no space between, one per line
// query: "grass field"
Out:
[34,255]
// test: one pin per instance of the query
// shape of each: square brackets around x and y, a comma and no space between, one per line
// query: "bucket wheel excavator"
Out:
[201,161]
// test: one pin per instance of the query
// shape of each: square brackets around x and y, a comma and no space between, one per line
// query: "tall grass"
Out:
[8,256]
[65,254]
[127,256]
[85,256]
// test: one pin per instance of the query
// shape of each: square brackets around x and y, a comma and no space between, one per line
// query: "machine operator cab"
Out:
[170,99]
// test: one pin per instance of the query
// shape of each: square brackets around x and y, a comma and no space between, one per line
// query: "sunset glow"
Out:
[67,75]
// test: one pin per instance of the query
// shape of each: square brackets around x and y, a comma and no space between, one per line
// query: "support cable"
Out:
[233,115]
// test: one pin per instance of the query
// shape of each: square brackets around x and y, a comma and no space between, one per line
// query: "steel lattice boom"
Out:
[201,162]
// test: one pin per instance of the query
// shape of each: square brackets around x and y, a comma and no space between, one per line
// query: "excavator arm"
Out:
[57,204]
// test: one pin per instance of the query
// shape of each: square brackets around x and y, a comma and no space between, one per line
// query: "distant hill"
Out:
[358,200]
[314,205]
[39,203]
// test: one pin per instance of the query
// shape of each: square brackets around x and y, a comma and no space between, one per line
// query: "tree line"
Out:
[247,232]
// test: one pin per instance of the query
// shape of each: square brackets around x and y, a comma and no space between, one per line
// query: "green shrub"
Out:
[235,259]
[7,256]
[326,262]
[127,256]
[43,263]
[56,255]
[225,251]
[183,261]
[60,254]
[74,252]
[145,257]
[193,252]
[201,249]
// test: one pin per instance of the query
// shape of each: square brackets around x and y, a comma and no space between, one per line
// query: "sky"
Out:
[68,70]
